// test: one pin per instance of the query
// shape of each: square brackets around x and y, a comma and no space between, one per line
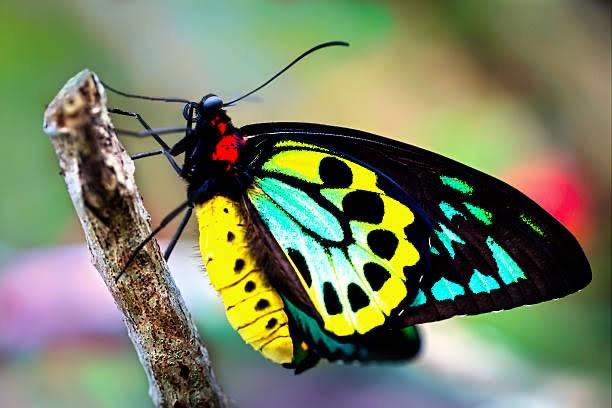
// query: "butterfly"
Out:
[332,243]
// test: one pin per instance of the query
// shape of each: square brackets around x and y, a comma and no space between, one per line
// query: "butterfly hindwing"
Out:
[492,248]
[313,342]
[357,244]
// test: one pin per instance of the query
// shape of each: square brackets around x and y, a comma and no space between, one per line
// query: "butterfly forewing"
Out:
[358,246]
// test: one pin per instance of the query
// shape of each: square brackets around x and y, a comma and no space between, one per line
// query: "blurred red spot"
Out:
[557,183]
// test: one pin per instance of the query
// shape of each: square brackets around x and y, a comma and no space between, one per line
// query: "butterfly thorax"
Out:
[212,153]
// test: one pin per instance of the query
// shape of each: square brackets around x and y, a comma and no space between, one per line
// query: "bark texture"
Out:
[99,176]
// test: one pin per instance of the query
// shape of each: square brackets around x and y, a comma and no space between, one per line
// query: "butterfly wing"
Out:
[492,248]
[313,342]
[356,244]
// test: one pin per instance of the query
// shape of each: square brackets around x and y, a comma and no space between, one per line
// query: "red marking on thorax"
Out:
[228,146]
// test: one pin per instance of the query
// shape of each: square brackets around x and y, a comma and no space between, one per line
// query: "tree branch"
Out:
[99,176]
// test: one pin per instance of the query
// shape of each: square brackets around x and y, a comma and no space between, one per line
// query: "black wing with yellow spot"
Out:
[490,246]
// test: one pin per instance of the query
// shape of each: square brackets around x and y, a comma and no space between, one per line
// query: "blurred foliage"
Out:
[38,50]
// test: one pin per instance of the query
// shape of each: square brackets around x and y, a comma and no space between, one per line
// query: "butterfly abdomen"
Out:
[253,307]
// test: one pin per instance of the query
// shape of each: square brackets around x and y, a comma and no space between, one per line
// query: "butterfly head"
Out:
[211,103]
[207,109]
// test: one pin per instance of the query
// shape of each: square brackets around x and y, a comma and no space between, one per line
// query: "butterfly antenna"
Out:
[295,61]
[167,219]
[147,98]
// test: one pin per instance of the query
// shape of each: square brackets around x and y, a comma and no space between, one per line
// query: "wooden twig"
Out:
[99,176]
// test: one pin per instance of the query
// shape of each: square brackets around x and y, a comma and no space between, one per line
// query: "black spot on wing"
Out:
[385,184]
[357,297]
[418,228]
[331,300]
[376,275]
[335,173]
[411,271]
[383,243]
[301,265]
[364,206]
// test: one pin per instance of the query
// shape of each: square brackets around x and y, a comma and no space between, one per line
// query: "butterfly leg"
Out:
[167,219]
[150,153]
[199,192]
[178,232]
[166,150]
[149,133]
[175,150]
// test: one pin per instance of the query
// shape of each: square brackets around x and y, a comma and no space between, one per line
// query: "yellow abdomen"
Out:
[253,307]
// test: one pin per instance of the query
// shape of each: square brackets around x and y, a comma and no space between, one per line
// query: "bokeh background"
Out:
[517,88]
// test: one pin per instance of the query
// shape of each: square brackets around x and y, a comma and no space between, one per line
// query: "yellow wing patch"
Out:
[302,164]
[356,285]
[253,307]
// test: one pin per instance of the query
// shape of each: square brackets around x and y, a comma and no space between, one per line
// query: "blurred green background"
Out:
[517,88]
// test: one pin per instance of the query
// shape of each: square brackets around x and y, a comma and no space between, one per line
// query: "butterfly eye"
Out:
[211,103]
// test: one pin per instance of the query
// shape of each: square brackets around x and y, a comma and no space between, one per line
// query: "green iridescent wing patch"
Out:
[491,273]
[379,345]
[491,247]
